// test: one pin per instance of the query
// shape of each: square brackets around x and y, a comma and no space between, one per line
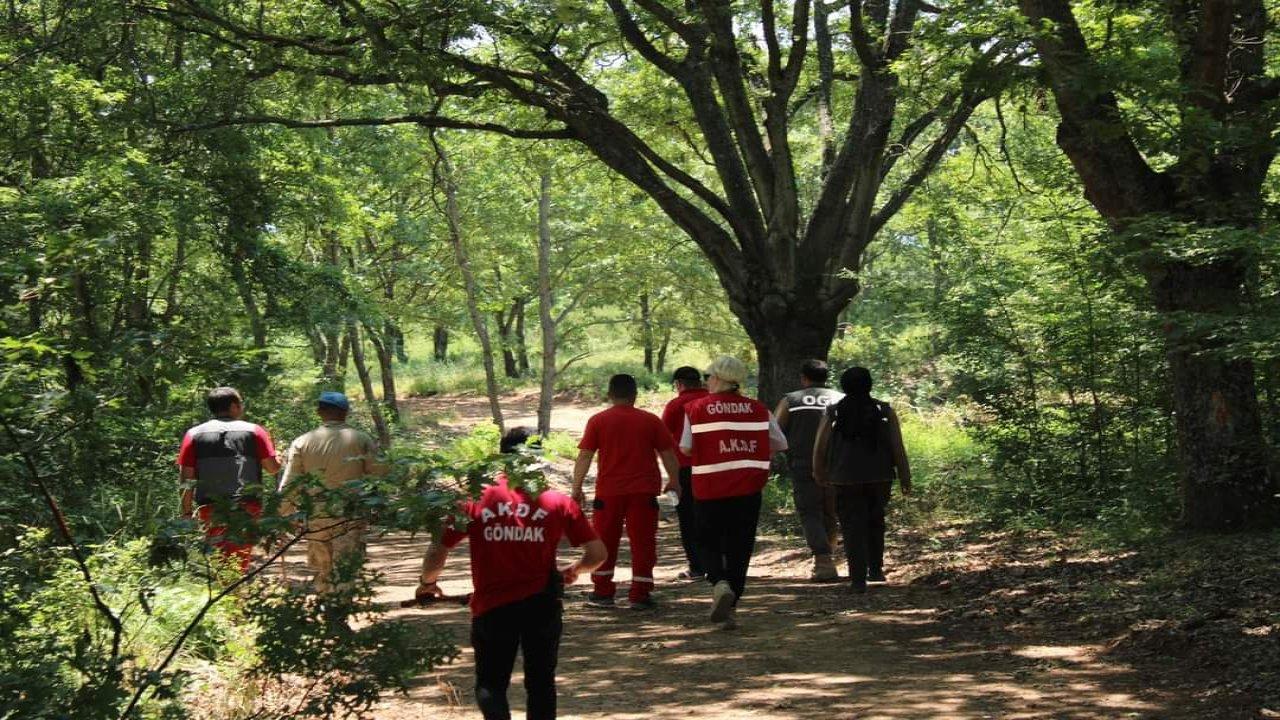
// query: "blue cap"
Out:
[335,399]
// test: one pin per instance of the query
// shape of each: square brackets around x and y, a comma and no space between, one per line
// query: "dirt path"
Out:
[802,651]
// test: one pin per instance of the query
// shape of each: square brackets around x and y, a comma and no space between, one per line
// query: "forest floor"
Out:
[973,623]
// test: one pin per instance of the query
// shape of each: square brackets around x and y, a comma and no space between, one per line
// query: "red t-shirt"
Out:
[627,439]
[513,541]
[674,414]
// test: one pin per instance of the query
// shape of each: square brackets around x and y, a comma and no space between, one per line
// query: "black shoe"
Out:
[876,576]
[645,604]
[858,588]
[600,601]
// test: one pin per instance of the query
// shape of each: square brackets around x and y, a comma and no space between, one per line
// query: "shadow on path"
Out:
[802,651]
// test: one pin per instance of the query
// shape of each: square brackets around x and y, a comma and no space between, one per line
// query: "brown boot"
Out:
[824,569]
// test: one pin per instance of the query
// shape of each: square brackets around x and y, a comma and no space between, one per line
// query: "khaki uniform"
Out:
[336,454]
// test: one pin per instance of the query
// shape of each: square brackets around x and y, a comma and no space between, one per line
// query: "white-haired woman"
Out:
[731,439]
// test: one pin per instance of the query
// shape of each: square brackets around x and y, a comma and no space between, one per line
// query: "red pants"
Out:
[640,514]
[242,547]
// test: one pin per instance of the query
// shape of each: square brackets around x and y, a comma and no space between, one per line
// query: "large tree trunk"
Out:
[546,322]
[1214,185]
[366,382]
[453,217]
[783,346]
[1226,474]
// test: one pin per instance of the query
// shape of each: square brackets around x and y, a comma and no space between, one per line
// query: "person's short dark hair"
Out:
[815,371]
[220,400]
[515,438]
[622,387]
[690,377]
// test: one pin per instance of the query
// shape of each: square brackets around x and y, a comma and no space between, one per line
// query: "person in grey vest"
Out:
[859,450]
[799,413]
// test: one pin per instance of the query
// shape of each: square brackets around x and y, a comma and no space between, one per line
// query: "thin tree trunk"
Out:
[546,322]
[440,343]
[509,366]
[934,245]
[826,73]
[333,354]
[175,273]
[662,350]
[240,277]
[453,217]
[335,363]
[85,308]
[318,347]
[646,331]
[394,338]
[366,382]
[344,355]
[522,345]
[387,371]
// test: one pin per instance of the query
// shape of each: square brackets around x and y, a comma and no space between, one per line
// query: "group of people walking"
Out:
[223,461]
[715,445]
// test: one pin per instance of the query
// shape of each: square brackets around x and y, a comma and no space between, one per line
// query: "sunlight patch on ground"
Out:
[1074,653]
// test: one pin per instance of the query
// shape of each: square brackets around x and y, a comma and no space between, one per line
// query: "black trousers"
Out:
[861,511]
[727,537]
[686,513]
[533,626]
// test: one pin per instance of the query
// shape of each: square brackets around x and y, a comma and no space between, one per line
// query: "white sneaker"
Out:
[722,598]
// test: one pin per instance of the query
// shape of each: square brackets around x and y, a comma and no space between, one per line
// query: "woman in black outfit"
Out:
[859,451]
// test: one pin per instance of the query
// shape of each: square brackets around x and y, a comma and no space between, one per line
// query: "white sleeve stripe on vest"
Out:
[731,465]
[729,425]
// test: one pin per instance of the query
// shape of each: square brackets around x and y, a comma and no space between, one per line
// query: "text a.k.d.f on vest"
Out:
[730,446]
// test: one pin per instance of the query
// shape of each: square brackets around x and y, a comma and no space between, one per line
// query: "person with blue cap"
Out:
[334,454]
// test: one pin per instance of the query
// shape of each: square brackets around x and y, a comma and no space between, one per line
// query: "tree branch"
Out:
[635,37]
[421,120]
[60,521]
[689,33]
[937,149]
[862,43]
[912,132]
[1118,181]
[181,639]
[315,45]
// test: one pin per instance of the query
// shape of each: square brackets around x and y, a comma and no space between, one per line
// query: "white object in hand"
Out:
[669,500]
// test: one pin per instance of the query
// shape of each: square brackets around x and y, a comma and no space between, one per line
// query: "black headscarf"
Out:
[857,417]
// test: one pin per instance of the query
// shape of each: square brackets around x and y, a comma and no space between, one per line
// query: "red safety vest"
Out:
[730,445]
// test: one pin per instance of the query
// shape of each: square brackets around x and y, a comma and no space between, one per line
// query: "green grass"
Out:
[945,459]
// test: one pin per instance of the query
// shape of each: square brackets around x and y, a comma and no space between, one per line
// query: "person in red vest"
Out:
[687,382]
[630,441]
[731,439]
[516,604]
